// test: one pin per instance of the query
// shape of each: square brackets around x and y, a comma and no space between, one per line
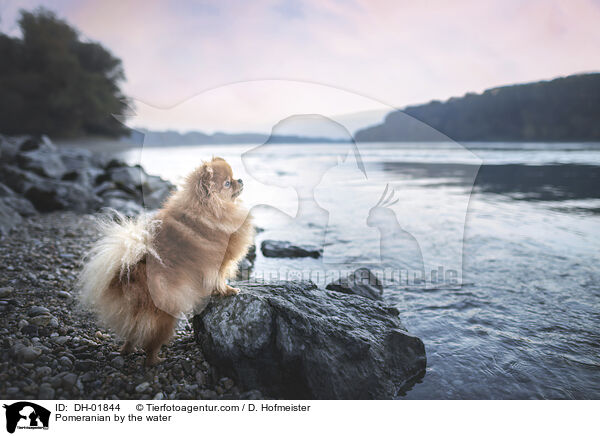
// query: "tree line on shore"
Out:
[56,83]
[563,109]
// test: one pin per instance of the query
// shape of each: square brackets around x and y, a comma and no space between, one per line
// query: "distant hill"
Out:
[171,137]
[564,109]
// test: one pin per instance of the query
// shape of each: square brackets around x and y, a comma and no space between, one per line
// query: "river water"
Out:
[489,250]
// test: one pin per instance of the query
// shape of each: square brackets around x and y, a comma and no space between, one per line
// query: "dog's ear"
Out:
[205,182]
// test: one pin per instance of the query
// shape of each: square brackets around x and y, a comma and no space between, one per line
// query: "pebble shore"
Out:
[52,348]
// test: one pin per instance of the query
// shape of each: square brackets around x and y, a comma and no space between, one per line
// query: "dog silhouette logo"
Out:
[26,415]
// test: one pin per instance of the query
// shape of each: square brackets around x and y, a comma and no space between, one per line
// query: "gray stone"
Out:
[142,387]
[43,162]
[9,148]
[76,159]
[292,340]
[9,218]
[5,191]
[127,178]
[37,310]
[20,205]
[118,362]
[19,180]
[28,354]
[30,143]
[12,392]
[361,282]
[154,200]
[51,195]
[65,362]
[46,392]
[272,248]
[69,380]
[6,291]
[61,340]
[126,207]
[43,371]
[41,320]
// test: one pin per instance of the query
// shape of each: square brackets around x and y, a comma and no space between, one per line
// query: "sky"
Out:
[372,55]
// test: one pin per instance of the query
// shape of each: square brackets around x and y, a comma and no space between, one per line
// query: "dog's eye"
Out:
[227,183]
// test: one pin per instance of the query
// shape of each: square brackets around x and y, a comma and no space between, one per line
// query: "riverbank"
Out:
[52,347]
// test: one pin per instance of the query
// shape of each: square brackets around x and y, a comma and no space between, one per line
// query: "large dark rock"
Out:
[127,178]
[48,195]
[17,203]
[9,148]
[76,159]
[20,205]
[19,180]
[361,282]
[9,218]
[44,161]
[129,208]
[155,199]
[292,340]
[59,195]
[33,142]
[5,191]
[271,248]
[35,173]
[155,191]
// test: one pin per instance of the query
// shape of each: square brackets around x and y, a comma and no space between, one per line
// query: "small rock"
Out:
[37,310]
[42,320]
[28,354]
[29,330]
[187,365]
[102,336]
[12,392]
[159,396]
[271,248]
[61,340]
[65,362]
[142,387]
[87,377]
[23,323]
[361,282]
[63,294]
[43,371]
[46,392]
[69,380]
[118,362]
[227,383]
[6,292]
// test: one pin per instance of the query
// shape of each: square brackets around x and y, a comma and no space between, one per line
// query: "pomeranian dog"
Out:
[145,273]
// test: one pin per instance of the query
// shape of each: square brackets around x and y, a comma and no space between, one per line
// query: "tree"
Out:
[52,82]
[563,109]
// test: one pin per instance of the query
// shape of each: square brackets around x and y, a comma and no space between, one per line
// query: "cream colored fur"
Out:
[123,243]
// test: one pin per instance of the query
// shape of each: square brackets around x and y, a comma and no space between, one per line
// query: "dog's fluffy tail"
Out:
[123,243]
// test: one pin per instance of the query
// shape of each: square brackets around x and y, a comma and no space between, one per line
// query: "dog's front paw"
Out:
[231,291]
